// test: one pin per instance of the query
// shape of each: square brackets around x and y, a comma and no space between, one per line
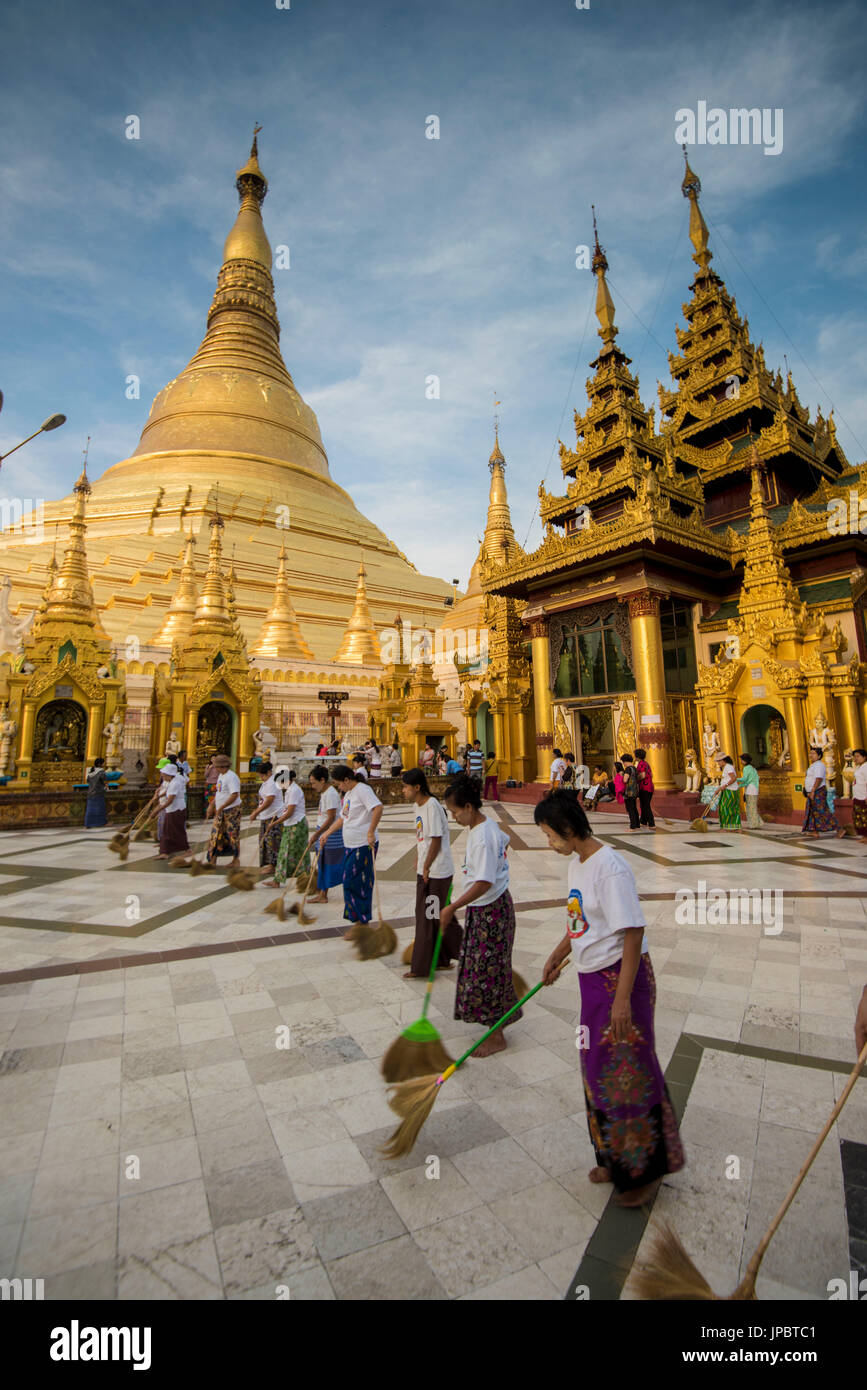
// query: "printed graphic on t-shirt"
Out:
[577,923]
[419,829]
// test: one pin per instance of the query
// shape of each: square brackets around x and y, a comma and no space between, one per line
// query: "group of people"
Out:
[631,785]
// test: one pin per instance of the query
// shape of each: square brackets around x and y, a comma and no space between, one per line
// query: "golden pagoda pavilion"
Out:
[689,595]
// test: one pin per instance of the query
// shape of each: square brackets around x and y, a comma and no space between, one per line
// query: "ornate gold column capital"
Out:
[643,604]
[539,627]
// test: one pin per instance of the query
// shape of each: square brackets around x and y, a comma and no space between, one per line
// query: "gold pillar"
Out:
[650,685]
[864,717]
[191,724]
[500,748]
[243,733]
[94,733]
[848,722]
[28,725]
[727,729]
[797,734]
[542,706]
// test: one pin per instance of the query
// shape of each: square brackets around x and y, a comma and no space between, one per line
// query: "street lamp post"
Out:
[52,423]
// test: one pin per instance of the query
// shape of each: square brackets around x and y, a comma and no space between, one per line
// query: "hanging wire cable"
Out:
[674,252]
[562,413]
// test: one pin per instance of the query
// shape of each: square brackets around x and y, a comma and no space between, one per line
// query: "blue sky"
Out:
[412,257]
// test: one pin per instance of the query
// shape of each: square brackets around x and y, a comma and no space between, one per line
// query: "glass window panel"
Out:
[620,676]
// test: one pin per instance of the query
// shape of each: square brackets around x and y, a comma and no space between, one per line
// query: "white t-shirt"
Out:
[228,793]
[815,773]
[328,801]
[485,859]
[859,785]
[360,771]
[359,803]
[729,776]
[173,794]
[431,821]
[582,776]
[558,767]
[293,796]
[602,903]
[270,788]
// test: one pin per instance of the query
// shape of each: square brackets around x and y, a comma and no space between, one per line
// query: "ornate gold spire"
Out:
[178,622]
[604,303]
[360,645]
[236,394]
[281,637]
[498,544]
[70,596]
[768,597]
[698,234]
[212,610]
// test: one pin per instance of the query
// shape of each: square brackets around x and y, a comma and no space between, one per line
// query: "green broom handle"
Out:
[514,1009]
[436,955]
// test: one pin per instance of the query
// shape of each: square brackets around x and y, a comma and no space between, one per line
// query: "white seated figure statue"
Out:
[712,749]
[173,746]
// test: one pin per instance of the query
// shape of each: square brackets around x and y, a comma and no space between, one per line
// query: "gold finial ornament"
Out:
[360,646]
[281,637]
[698,233]
[178,622]
[212,609]
[70,595]
[604,303]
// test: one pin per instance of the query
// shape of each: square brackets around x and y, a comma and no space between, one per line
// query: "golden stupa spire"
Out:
[499,542]
[698,234]
[212,609]
[767,586]
[604,303]
[360,645]
[70,595]
[178,622]
[281,637]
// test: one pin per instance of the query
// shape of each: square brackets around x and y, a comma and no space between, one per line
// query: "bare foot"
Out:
[638,1195]
[318,898]
[840,834]
[408,975]
[599,1175]
[495,1043]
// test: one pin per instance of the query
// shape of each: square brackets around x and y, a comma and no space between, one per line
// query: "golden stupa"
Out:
[231,433]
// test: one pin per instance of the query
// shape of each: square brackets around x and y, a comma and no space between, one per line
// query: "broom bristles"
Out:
[519,985]
[123,850]
[304,918]
[407,955]
[669,1273]
[406,1059]
[179,861]
[413,1102]
[277,907]
[245,879]
[699,824]
[372,942]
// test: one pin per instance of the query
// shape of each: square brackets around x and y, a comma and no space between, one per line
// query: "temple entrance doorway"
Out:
[215,728]
[764,736]
[61,732]
[594,729]
[485,727]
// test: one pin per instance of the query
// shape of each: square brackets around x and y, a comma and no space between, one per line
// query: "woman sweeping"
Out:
[729,797]
[749,780]
[484,988]
[292,856]
[434,870]
[268,813]
[330,871]
[173,804]
[632,1124]
[817,817]
[95,811]
[360,814]
[859,793]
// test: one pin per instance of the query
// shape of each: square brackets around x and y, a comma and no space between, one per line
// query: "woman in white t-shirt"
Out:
[433,881]
[292,856]
[817,816]
[360,814]
[484,987]
[267,813]
[629,1113]
[558,767]
[859,793]
[330,870]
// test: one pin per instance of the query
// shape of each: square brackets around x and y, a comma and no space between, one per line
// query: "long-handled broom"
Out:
[119,842]
[371,942]
[277,905]
[414,1100]
[700,822]
[419,1050]
[669,1273]
[518,982]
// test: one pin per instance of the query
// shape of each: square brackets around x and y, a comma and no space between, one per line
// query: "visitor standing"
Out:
[859,794]
[359,766]
[426,759]
[396,759]
[485,990]
[434,870]
[749,780]
[729,797]
[645,788]
[268,812]
[225,810]
[96,809]
[184,765]
[330,871]
[173,801]
[212,775]
[558,767]
[817,817]
[476,761]
[491,788]
[360,814]
[633,1127]
[630,790]
[375,760]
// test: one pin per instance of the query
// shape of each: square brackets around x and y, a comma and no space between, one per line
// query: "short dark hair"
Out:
[320,773]
[477,740]
[627,757]
[342,773]
[728,760]
[570,757]
[265,767]
[815,750]
[557,753]
[100,762]
[640,753]
[414,777]
[563,812]
[618,767]
[463,791]
[183,753]
[292,774]
[745,758]
[862,751]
